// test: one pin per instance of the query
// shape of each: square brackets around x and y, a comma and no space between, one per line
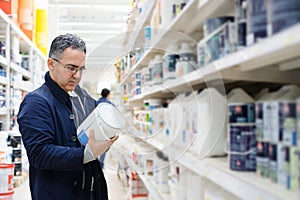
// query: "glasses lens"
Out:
[82,70]
[74,70]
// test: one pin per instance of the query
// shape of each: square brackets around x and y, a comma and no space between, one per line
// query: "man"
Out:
[105,96]
[60,167]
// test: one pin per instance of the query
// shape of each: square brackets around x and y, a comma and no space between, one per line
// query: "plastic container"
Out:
[154,103]
[6,178]
[166,13]
[169,62]
[196,186]
[211,127]
[156,70]
[241,107]
[211,24]
[161,172]
[106,121]
[187,61]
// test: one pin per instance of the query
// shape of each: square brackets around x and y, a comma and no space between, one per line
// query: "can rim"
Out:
[6,193]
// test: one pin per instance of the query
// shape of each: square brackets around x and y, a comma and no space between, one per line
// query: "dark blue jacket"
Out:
[103,99]
[46,122]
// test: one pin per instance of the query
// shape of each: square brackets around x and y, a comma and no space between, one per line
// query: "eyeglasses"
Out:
[72,69]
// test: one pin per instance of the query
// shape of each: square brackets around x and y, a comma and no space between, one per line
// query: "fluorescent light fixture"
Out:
[117,8]
[106,25]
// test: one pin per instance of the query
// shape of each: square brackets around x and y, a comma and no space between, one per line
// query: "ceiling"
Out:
[101,24]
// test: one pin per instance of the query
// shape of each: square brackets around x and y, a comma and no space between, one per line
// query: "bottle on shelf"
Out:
[187,61]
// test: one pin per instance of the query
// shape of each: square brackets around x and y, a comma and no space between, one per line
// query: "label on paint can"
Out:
[298,122]
[242,147]
[241,113]
[288,123]
[156,73]
[262,159]
[169,65]
[273,162]
[259,121]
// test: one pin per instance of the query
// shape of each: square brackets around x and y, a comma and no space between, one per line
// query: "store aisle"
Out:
[22,192]
[116,190]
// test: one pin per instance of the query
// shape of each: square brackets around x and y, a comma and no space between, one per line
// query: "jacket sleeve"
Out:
[38,134]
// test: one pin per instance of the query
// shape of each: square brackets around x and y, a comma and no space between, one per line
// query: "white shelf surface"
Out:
[245,185]
[3,111]
[3,61]
[3,80]
[23,86]
[150,185]
[20,70]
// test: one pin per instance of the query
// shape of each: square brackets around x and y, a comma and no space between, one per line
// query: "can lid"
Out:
[6,165]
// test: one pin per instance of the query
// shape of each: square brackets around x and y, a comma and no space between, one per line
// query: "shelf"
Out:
[3,61]
[23,86]
[217,170]
[164,36]
[152,189]
[17,43]
[258,62]
[3,80]
[181,29]
[209,9]
[142,20]
[3,111]
[20,70]
[25,42]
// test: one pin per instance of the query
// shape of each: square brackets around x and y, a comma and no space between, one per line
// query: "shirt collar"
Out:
[56,90]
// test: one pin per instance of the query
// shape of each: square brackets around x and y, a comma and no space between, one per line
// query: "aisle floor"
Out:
[116,190]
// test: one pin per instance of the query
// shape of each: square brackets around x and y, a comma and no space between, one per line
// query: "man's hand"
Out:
[99,147]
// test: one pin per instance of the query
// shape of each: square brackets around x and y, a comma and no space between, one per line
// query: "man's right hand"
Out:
[99,147]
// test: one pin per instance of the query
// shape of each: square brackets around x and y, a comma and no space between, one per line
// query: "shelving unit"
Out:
[273,60]
[263,62]
[152,189]
[18,80]
[217,170]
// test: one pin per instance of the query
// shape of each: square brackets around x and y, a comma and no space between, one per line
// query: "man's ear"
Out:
[50,63]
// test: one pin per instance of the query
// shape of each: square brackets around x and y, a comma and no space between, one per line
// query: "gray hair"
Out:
[62,42]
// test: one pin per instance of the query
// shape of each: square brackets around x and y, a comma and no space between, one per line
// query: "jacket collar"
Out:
[56,90]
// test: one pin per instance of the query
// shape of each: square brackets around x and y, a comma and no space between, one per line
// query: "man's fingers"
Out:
[92,134]
[114,138]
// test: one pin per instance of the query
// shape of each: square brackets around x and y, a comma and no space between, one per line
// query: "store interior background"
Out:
[102,25]
[225,78]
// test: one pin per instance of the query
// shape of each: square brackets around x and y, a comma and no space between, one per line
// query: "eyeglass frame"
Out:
[71,67]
